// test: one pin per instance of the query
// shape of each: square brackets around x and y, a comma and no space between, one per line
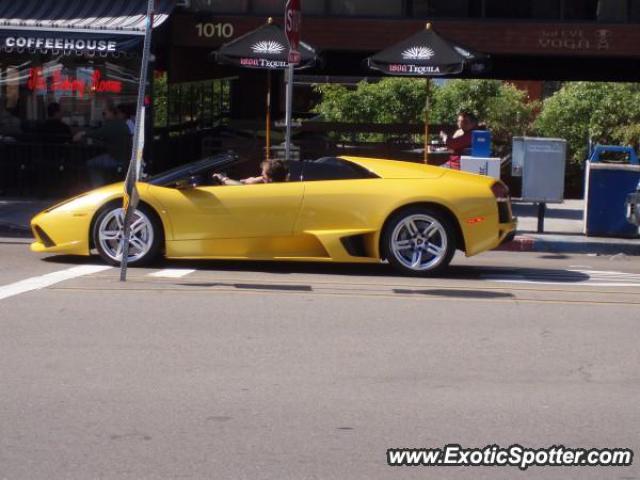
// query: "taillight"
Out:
[500,191]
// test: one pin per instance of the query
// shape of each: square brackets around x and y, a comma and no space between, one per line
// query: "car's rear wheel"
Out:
[419,241]
[145,241]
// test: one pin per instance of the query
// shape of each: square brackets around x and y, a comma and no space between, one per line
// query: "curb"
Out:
[578,245]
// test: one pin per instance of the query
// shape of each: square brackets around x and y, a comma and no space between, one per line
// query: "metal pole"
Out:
[131,198]
[427,107]
[542,208]
[289,108]
[268,133]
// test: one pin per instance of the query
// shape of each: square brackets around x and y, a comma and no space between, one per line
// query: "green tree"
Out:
[501,106]
[160,90]
[607,113]
[391,100]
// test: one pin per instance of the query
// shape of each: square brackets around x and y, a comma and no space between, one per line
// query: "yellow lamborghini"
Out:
[345,209]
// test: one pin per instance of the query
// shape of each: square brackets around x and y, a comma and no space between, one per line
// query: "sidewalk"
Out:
[563,232]
[562,228]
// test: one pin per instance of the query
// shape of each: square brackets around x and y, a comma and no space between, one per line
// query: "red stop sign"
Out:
[293,23]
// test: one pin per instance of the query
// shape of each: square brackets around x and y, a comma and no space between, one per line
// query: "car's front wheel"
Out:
[145,241]
[419,241]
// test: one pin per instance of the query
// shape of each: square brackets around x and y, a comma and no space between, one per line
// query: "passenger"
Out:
[273,171]
[461,140]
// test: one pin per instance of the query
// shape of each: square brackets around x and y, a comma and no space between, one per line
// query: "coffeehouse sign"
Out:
[48,43]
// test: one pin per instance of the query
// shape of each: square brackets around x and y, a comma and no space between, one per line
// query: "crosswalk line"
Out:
[172,273]
[44,281]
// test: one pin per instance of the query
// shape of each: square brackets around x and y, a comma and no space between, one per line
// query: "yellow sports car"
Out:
[346,209]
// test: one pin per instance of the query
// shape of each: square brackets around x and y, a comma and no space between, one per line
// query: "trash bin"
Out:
[607,188]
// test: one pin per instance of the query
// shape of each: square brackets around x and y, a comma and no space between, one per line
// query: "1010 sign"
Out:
[214,30]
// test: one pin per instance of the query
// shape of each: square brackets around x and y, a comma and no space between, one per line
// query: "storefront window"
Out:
[546,9]
[446,8]
[634,11]
[508,8]
[613,10]
[375,8]
[580,9]
[66,119]
[524,9]
[82,88]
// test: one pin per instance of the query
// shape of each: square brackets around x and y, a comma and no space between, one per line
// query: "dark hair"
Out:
[111,109]
[469,116]
[127,110]
[53,109]
[277,170]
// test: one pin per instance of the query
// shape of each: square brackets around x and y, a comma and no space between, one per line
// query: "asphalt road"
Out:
[215,370]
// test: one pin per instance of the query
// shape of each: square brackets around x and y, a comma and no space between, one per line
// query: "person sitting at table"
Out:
[54,130]
[461,139]
[9,124]
[114,136]
[127,113]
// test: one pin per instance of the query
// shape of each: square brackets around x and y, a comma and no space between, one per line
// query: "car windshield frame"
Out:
[181,172]
[225,161]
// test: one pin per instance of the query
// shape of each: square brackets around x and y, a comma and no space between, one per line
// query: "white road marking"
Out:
[172,273]
[592,278]
[587,283]
[44,281]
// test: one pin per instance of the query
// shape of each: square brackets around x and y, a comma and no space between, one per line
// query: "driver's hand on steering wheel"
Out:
[220,178]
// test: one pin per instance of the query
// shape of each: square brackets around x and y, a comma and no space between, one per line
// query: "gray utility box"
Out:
[541,164]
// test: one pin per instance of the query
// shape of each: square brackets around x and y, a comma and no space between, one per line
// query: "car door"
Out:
[231,212]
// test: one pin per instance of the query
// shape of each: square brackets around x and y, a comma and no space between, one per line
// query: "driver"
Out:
[272,171]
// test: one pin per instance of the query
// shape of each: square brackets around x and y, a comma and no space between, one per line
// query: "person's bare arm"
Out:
[225,180]
[252,181]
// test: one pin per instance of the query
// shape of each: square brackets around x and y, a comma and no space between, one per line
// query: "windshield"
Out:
[183,171]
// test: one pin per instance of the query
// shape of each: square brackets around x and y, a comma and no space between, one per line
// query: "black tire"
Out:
[444,239]
[155,226]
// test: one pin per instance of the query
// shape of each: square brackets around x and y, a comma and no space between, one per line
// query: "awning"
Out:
[76,26]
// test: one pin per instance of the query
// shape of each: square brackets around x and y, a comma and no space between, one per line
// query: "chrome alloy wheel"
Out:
[111,233]
[419,242]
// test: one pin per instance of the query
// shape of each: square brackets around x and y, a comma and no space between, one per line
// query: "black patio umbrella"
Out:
[427,54]
[265,48]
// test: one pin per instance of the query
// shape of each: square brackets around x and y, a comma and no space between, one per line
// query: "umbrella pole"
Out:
[268,134]
[289,102]
[427,107]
